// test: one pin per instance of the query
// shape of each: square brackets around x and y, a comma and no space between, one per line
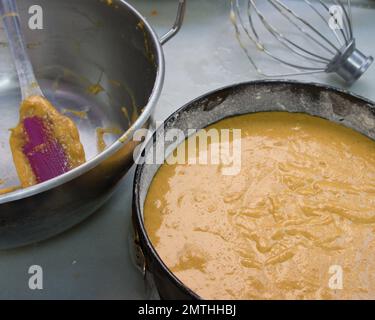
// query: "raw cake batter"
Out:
[303,204]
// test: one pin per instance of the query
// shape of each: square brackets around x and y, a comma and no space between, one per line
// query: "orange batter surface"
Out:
[303,203]
[64,130]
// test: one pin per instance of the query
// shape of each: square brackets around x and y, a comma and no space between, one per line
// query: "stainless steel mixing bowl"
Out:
[100,58]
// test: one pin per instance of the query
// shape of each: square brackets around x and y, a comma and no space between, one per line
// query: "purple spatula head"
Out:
[44,153]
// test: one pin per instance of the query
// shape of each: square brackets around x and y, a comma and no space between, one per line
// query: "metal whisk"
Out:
[309,36]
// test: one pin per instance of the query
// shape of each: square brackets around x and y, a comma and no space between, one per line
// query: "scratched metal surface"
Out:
[92,260]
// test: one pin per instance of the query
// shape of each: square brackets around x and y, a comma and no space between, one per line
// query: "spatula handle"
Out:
[11,22]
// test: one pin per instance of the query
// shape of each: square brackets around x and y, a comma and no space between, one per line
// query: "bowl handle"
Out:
[178,23]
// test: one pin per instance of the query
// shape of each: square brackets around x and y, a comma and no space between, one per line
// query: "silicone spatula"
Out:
[46,156]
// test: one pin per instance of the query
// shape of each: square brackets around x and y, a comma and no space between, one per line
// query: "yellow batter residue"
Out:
[301,210]
[10,14]
[33,45]
[8,190]
[134,116]
[148,50]
[78,114]
[95,89]
[125,112]
[5,190]
[63,128]
[101,132]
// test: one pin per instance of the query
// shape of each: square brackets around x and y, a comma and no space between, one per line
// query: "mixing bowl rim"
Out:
[126,137]
[139,225]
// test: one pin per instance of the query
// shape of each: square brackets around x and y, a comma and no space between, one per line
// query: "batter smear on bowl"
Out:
[45,144]
[301,211]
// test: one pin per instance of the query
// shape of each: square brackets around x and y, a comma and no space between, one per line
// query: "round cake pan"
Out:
[336,105]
